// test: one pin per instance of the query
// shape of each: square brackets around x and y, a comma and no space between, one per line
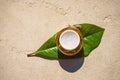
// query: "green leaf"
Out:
[92,37]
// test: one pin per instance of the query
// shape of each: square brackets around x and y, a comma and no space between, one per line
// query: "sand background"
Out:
[26,24]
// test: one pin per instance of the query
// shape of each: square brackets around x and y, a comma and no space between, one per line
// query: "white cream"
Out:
[69,39]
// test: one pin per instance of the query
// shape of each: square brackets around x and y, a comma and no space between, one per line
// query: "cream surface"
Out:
[69,39]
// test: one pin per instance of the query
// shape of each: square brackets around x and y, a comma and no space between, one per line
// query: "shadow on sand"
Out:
[71,65]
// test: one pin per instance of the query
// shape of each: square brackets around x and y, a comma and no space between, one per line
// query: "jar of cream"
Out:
[69,41]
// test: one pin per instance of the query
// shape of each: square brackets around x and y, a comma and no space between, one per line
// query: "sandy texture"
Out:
[26,24]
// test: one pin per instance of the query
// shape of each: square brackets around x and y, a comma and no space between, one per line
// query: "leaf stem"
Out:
[30,54]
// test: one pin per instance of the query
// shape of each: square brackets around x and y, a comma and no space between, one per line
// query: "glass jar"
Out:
[69,41]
